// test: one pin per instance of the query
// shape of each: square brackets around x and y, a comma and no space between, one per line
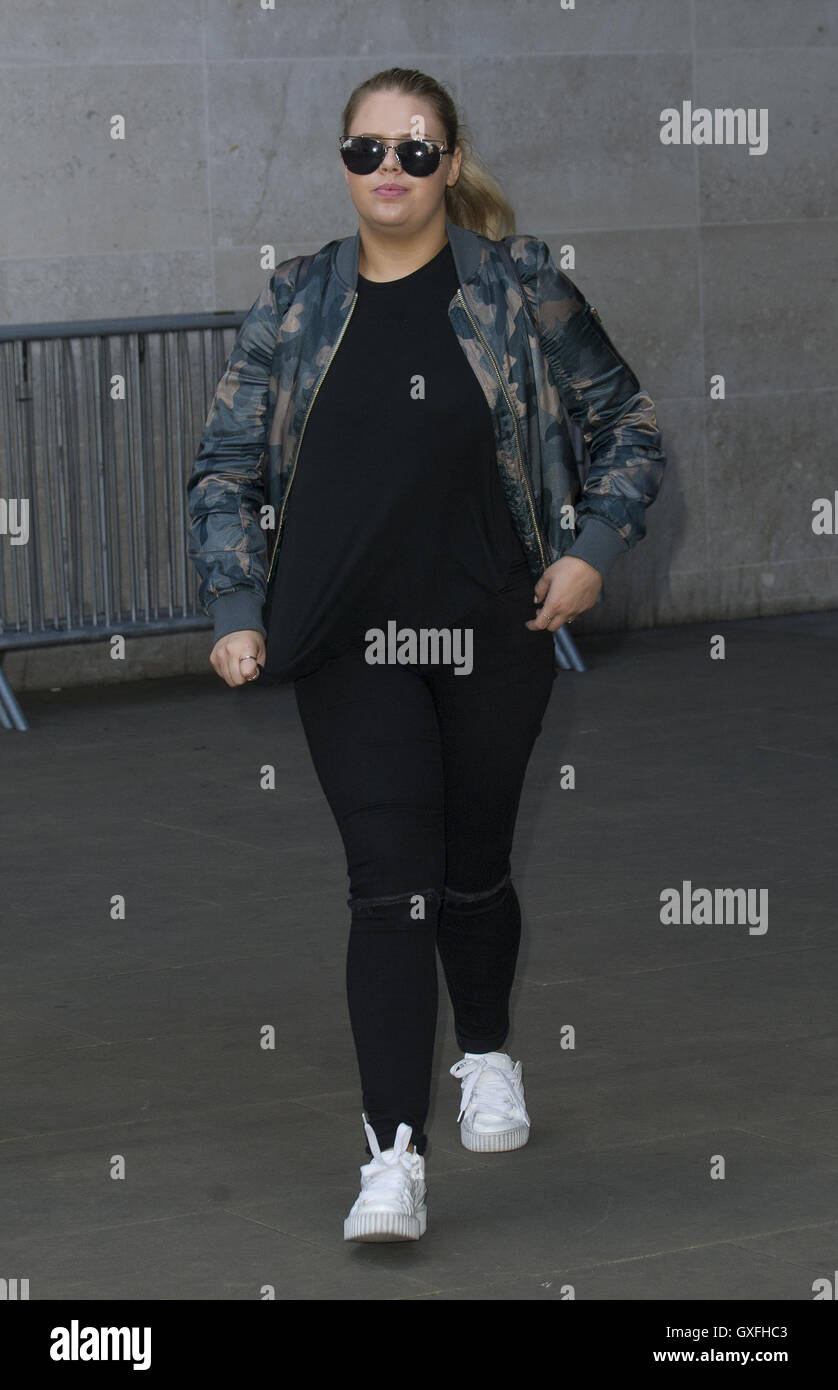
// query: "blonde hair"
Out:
[475,201]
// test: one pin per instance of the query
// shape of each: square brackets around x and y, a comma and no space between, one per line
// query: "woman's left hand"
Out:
[566,589]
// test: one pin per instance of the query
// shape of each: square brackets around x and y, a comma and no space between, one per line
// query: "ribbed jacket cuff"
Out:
[598,544]
[237,611]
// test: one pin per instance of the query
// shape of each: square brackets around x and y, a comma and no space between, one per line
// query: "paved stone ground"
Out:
[140,1037]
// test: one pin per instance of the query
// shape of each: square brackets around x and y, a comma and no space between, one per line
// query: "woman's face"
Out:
[391,116]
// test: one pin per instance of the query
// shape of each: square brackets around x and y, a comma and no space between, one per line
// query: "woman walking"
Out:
[397,402]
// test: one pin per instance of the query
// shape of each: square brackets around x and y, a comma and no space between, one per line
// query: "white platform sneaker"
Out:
[492,1109]
[391,1203]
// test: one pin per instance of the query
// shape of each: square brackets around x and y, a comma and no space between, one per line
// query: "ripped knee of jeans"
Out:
[486,897]
[418,906]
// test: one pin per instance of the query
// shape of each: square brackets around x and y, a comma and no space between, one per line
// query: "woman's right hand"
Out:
[225,656]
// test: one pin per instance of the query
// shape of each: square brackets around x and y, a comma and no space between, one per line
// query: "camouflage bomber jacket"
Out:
[547,368]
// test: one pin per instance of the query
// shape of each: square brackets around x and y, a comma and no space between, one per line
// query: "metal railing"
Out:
[99,427]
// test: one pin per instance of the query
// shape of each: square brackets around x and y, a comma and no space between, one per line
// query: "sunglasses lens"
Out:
[418,159]
[362,155]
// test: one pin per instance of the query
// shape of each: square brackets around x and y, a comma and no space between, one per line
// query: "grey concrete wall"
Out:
[702,260]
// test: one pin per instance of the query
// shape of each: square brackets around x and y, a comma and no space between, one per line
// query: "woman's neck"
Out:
[386,257]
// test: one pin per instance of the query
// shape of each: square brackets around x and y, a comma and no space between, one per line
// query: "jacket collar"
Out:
[465,248]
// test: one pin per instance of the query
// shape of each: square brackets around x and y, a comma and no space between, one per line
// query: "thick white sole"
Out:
[492,1142]
[385,1225]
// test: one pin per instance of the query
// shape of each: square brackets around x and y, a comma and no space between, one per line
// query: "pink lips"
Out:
[390,191]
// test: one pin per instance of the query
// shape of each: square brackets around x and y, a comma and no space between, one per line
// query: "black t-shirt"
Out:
[396,510]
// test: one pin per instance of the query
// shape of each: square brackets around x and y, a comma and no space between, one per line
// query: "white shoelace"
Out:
[498,1094]
[386,1177]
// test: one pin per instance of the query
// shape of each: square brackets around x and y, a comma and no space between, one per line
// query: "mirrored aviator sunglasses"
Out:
[362,154]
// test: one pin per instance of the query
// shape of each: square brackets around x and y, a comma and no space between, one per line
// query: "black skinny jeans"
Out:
[423,770]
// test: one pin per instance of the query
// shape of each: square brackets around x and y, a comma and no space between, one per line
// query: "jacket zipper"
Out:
[544,560]
[300,440]
[603,332]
